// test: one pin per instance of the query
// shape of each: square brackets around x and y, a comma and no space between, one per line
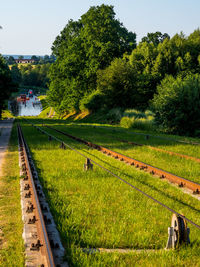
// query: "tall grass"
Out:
[93,209]
[135,119]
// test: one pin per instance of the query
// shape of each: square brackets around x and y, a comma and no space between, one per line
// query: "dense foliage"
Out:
[98,65]
[177,104]
[34,75]
[84,47]
[7,86]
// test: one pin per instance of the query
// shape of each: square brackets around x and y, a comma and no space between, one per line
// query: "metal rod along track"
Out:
[43,244]
[182,182]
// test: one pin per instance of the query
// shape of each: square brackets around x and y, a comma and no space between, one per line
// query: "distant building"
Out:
[24,61]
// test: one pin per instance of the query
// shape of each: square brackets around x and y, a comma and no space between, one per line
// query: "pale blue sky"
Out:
[30,26]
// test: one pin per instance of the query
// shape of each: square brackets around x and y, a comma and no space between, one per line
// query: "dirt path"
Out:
[5,131]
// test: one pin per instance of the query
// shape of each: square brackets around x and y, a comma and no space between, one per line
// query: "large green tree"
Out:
[82,48]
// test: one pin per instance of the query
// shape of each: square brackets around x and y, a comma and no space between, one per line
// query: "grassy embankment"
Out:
[6,114]
[47,111]
[11,243]
[93,209]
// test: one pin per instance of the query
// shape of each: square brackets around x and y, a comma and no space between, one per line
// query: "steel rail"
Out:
[46,248]
[161,150]
[182,182]
[118,177]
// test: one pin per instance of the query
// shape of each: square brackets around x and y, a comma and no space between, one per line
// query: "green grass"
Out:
[174,164]
[7,114]
[11,243]
[93,209]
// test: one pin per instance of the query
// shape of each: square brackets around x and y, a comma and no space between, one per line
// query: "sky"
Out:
[31,26]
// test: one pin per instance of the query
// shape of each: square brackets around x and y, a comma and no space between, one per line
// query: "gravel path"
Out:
[5,131]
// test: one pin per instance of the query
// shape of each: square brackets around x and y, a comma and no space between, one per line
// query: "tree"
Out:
[11,60]
[84,47]
[37,76]
[155,38]
[21,57]
[35,58]
[6,84]
[16,74]
[177,105]
[123,87]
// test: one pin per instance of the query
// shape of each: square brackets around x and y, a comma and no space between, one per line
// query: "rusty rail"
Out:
[182,182]
[43,243]
[162,150]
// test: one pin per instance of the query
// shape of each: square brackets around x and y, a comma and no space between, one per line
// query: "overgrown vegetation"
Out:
[93,209]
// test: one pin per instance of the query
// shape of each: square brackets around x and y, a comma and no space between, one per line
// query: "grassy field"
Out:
[11,243]
[95,210]
[180,166]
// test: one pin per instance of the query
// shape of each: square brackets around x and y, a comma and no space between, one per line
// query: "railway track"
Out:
[42,242]
[162,150]
[178,232]
[182,182]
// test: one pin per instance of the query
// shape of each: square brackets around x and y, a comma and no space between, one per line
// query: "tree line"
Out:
[99,66]
[37,59]
[30,75]
[21,76]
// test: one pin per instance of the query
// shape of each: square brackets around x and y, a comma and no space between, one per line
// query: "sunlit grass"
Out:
[180,166]
[11,243]
[93,209]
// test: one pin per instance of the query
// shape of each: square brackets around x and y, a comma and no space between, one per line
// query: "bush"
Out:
[126,122]
[177,104]
[92,102]
[133,113]
[133,118]
[115,114]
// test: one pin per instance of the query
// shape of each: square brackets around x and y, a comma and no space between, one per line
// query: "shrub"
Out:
[143,124]
[115,114]
[133,113]
[177,104]
[126,122]
[92,102]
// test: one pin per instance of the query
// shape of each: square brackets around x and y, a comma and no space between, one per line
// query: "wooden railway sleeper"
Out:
[26,187]
[28,195]
[30,209]
[32,220]
[25,177]
[36,246]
